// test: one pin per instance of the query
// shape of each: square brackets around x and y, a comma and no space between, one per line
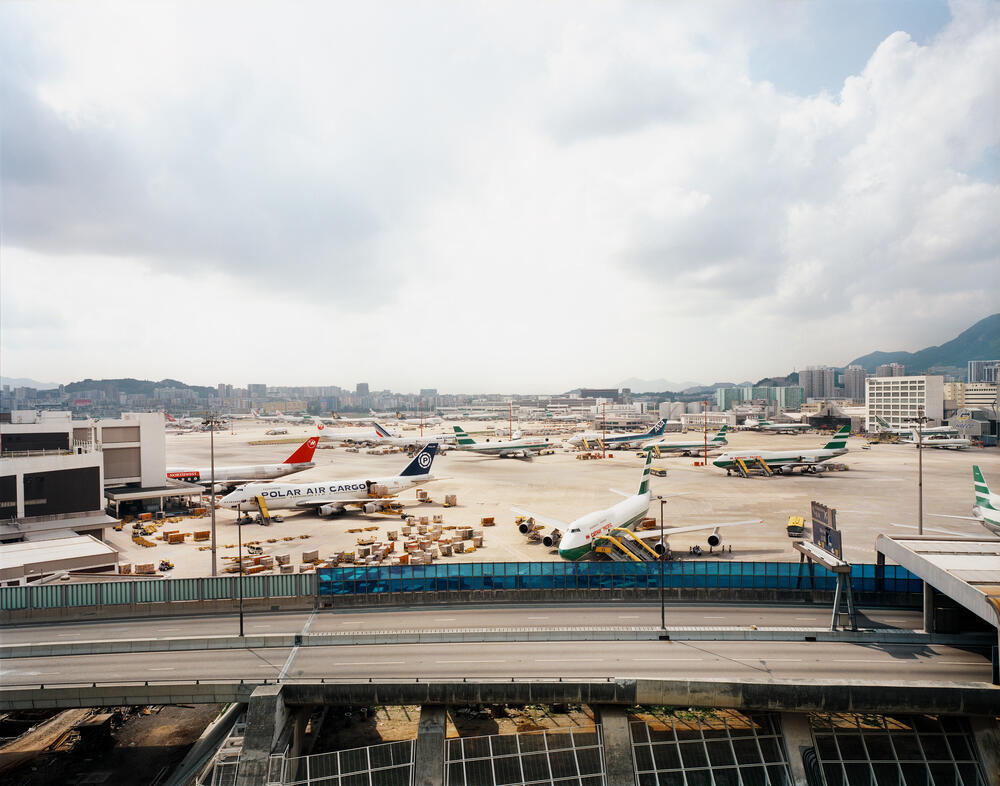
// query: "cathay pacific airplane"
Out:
[576,538]
[777,428]
[691,448]
[985,506]
[327,497]
[506,448]
[782,460]
[623,441]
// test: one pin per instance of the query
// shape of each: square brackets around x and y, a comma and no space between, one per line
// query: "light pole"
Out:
[211,422]
[663,557]
[239,562]
[920,474]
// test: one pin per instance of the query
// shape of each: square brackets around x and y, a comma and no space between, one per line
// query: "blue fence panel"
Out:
[13,598]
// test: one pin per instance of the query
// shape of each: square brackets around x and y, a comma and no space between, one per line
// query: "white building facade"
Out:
[900,400]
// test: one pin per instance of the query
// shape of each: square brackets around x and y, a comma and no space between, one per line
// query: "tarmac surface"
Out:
[878,490]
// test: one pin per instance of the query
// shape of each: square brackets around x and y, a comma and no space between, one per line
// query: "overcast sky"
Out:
[492,196]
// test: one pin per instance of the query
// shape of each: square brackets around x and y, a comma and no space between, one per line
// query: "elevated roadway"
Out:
[444,618]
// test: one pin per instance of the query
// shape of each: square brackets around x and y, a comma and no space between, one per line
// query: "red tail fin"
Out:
[305,451]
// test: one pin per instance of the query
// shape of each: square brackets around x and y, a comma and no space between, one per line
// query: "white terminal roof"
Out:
[29,552]
[965,569]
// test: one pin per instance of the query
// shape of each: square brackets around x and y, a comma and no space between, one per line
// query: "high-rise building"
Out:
[790,396]
[361,389]
[854,383]
[725,398]
[817,382]
[256,390]
[984,371]
[899,400]
[890,370]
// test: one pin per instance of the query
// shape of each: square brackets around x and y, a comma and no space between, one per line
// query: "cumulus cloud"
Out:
[509,170]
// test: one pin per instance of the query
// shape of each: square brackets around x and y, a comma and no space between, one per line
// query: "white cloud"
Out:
[483,198]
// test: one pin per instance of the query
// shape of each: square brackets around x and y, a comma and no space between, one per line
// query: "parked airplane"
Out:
[780,460]
[623,441]
[257,415]
[372,435]
[189,422]
[227,477]
[691,448]
[508,448]
[327,497]
[911,429]
[776,428]
[575,539]
[386,437]
[935,441]
[986,505]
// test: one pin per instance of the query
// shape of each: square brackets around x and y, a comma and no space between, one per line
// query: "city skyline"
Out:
[450,196]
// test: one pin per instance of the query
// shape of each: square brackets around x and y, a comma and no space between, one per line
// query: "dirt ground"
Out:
[146,748]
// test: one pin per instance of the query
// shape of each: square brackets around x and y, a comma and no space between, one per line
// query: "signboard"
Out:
[824,530]
[82,402]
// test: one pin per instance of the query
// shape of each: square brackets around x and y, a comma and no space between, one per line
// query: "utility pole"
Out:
[663,557]
[211,421]
[604,428]
[239,561]
[920,474]
[705,402]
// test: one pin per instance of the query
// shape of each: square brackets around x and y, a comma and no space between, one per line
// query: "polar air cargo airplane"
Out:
[577,538]
[509,448]
[690,448]
[226,477]
[781,460]
[327,497]
[623,441]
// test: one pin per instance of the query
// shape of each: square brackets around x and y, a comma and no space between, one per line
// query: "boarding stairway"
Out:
[752,466]
[625,546]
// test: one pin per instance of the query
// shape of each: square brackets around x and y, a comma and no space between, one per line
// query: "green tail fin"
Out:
[982,490]
[839,440]
[463,438]
[721,436]
[644,483]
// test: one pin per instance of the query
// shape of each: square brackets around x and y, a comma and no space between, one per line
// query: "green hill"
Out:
[113,387]
[979,342]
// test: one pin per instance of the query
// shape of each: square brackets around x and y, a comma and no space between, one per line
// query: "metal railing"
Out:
[468,576]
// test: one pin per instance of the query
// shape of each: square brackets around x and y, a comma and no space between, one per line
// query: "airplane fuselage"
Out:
[298,495]
[777,458]
[237,473]
[582,532]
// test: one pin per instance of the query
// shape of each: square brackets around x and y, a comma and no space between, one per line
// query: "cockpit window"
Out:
[575,529]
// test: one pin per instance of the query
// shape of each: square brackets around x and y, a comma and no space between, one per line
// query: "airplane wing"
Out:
[621,493]
[963,518]
[695,527]
[315,503]
[546,520]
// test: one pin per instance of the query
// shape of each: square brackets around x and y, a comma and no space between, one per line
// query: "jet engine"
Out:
[526,526]
[552,539]
[372,507]
[715,539]
[220,488]
[660,548]
[329,510]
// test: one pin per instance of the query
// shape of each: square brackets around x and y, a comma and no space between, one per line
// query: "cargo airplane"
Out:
[691,448]
[506,448]
[328,497]
[781,460]
[227,477]
[575,539]
[623,441]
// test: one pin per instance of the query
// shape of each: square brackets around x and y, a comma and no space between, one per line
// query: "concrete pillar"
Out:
[618,764]
[987,735]
[795,728]
[266,719]
[428,753]
[928,608]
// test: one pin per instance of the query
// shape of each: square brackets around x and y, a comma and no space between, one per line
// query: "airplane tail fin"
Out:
[170,417]
[463,438]
[644,483]
[982,490]
[382,432]
[421,464]
[839,441]
[658,429]
[255,413]
[721,436]
[304,453]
